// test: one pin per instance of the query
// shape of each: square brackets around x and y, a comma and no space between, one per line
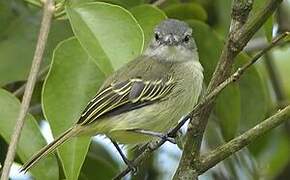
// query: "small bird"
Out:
[149,94]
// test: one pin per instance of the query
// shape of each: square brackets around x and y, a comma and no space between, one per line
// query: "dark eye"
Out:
[186,38]
[157,36]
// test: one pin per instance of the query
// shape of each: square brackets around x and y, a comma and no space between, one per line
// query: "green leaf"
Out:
[17,44]
[186,11]
[109,33]
[267,28]
[228,110]
[148,17]
[73,79]
[253,95]
[31,139]
[99,159]
[209,46]
[221,10]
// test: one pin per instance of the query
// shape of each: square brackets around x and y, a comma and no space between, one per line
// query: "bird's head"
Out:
[172,41]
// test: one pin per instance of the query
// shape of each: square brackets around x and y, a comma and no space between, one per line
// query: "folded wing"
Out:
[125,96]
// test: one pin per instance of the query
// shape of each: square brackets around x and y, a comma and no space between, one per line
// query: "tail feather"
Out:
[48,149]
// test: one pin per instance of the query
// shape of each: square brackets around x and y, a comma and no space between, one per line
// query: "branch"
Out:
[212,158]
[41,42]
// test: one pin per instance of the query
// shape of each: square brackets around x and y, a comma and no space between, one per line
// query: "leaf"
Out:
[109,33]
[98,159]
[253,96]
[209,46]
[73,79]
[186,11]
[228,110]
[267,28]
[223,10]
[148,17]
[17,44]
[31,139]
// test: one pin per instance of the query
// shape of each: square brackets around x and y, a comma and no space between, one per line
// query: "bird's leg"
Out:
[155,134]
[125,159]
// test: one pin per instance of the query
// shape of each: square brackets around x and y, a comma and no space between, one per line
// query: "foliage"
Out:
[91,40]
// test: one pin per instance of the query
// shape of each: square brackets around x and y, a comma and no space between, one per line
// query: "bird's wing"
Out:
[124,96]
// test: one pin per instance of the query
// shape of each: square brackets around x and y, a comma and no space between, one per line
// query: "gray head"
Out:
[172,41]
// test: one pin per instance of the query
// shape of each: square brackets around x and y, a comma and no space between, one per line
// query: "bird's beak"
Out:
[171,40]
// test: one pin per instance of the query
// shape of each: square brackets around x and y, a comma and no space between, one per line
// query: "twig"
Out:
[21,89]
[203,103]
[212,158]
[42,38]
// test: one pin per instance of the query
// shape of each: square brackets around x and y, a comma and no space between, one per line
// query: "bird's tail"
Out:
[48,149]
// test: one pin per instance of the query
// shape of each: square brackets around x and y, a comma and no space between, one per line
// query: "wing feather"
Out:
[121,97]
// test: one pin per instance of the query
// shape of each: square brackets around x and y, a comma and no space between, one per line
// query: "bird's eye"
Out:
[186,38]
[157,36]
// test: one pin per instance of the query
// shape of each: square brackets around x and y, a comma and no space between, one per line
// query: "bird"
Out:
[151,93]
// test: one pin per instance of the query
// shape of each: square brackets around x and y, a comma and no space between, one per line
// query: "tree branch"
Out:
[212,158]
[41,42]
[237,39]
